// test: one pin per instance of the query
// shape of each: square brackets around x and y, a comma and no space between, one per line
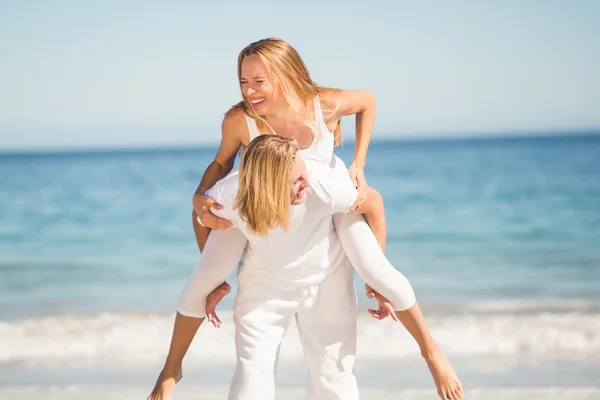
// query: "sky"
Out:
[151,73]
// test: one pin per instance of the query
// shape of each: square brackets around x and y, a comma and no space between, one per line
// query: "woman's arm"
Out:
[363,104]
[234,133]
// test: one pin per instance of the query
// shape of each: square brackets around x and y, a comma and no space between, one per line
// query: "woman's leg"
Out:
[363,251]
[374,212]
[366,257]
[224,288]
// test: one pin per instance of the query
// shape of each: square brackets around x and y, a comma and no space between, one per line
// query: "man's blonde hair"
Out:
[291,77]
[265,174]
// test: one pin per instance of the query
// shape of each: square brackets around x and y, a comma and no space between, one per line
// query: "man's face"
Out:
[299,182]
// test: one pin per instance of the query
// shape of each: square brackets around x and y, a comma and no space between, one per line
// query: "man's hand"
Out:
[213,299]
[385,307]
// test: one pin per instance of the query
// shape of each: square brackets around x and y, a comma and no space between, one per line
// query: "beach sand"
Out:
[108,357]
[126,393]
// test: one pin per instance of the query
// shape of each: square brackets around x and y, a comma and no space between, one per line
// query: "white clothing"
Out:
[274,258]
[309,250]
[321,149]
[356,237]
[302,273]
[308,277]
[326,319]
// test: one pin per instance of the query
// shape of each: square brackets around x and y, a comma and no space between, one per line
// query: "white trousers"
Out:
[326,320]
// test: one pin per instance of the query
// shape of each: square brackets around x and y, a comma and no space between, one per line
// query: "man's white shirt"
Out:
[309,251]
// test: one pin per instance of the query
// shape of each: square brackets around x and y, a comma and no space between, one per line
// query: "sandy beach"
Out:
[189,393]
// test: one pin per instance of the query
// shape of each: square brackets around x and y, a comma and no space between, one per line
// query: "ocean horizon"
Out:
[348,139]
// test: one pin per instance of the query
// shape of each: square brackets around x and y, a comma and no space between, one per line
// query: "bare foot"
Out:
[212,300]
[163,389]
[447,383]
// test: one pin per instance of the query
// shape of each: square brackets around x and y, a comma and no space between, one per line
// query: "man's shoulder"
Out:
[332,184]
[316,168]
[319,176]
[225,189]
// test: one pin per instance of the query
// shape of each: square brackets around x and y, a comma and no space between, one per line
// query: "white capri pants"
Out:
[326,319]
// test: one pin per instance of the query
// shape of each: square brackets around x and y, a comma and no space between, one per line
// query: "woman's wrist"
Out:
[358,163]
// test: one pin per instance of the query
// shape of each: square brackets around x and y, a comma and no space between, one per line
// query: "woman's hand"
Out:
[202,205]
[357,175]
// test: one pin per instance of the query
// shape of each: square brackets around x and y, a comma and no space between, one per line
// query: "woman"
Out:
[280,98]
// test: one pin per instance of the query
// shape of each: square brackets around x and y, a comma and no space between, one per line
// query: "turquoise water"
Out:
[468,220]
[500,239]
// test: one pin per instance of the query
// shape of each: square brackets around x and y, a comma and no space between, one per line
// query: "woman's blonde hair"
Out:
[286,68]
[265,175]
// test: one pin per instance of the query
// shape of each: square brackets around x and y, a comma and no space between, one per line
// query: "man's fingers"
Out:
[212,317]
[369,290]
[356,204]
[215,319]
[391,312]
[360,199]
[212,300]
[375,314]
[387,307]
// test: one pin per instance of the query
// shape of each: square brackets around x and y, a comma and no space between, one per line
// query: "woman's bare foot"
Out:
[163,389]
[447,383]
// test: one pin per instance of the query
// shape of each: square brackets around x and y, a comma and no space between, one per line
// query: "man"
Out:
[293,266]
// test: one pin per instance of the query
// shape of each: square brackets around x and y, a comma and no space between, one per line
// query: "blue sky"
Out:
[128,73]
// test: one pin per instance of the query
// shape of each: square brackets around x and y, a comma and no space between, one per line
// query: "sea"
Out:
[500,238]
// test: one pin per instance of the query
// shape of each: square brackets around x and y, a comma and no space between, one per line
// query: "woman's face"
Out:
[256,85]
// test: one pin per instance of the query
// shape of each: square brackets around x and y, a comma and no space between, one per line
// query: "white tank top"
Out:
[321,149]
